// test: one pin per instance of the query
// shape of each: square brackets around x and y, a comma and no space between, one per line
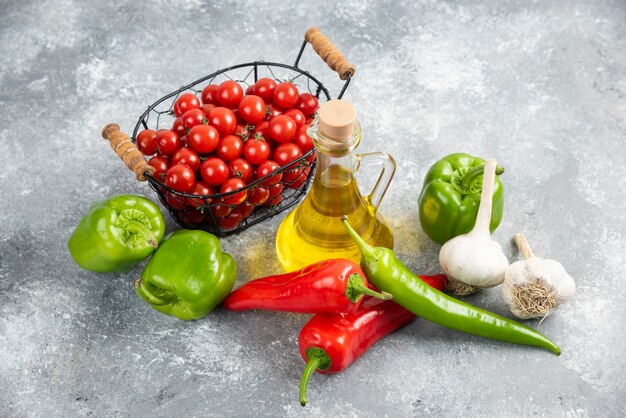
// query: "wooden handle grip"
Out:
[127,151]
[329,53]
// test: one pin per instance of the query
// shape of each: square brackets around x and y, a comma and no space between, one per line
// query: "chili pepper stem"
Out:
[356,288]
[316,359]
[148,235]
[366,249]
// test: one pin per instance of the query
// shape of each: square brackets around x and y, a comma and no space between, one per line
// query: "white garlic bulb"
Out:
[534,286]
[473,260]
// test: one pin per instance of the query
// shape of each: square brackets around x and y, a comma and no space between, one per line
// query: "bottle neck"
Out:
[336,159]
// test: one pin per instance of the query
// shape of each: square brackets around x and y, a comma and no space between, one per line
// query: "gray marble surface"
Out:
[540,86]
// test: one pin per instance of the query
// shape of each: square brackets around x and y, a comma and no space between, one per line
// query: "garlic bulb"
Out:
[473,260]
[533,287]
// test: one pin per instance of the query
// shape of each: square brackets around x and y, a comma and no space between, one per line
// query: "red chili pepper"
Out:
[329,343]
[336,285]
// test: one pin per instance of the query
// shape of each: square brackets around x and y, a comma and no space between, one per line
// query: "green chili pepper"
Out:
[116,234]
[188,276]
[450,197]
[389,274]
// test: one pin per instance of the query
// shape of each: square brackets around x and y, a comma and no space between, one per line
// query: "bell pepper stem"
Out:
[143,230]
[366,249]
[316,359]
[470,177]
[356,288]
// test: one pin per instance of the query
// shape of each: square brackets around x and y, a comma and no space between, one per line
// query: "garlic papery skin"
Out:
[473,261]
[534,287]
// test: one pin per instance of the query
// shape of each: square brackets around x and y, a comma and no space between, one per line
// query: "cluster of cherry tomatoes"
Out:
[226,139]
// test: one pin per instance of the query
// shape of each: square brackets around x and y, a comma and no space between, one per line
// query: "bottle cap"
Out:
[336,119]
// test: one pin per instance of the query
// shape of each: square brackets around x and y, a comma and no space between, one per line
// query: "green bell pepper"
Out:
[188,276]
[448,203]
[116,234]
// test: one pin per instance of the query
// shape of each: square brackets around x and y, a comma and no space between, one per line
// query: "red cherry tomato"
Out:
[180,178]
[178,127]
[229,94]
[231,185]
[200,188]
[240,169]
[146,141]
[229,148]
[274,201]
[256,151]
[282,128]
[287,153]
[193,117]
[161,165]
[264,88]
[192,217]
[223,120]
[250,90]
[209,94]
[214,171]
[185,102]
[188,157]
[298,178]
[275,190]
[203,138]
[244,209]
[258,195]
[267,168]
[303,140]
[271,111]
[175,202]
[262,129]
[221,210]
[206,109]
[286,95]
[307,104]
[297,116]
[252,109]
[230,222]
[167,142]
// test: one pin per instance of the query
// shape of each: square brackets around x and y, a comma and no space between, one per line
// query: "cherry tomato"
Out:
[214,171]
[229,94]
[256,151]
[258,195]
[286,95]
[297,116]
[188,157]
[192,217]
[175,202]
[193,117]
[287,153]
[262,129]
[230,222]
[185,102]
[200,188]
[180,178]
[275,190]
[271,111]
[267,168]
[307,104]
[229,148]
[244,209]
[223,120]
[221,210]
[299,177]
[282,128]
[209,94]
[178,127]
[250,90]
[303,140]
[240,169]
[264,88]
[242,131]
[206,109]
[274,200]
[203,138]
[231,185]
[167,142]
[146,141]
[252,109]
[161,165]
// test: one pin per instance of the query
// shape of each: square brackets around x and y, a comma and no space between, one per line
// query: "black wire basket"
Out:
[211,212]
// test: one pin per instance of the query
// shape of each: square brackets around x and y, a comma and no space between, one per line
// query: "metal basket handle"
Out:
[127,151]
[329,53]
